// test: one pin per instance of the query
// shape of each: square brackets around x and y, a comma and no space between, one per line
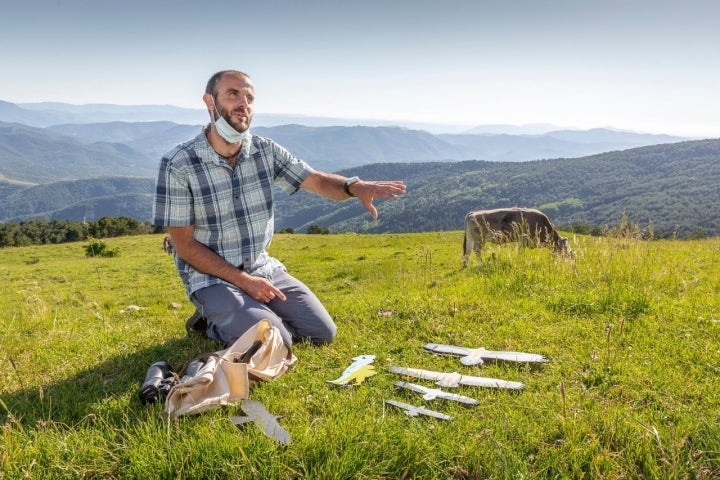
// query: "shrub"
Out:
[317,229]
[98,248]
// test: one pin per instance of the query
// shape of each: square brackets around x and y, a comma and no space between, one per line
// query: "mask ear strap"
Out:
[214,114]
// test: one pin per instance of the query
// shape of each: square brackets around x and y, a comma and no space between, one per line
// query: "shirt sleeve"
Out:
[173,201]
[290,171]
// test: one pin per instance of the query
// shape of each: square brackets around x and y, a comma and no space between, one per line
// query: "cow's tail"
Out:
[465,252]
[465,236]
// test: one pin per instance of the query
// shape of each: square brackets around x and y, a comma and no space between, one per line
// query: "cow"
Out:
[167,244]
[525,225]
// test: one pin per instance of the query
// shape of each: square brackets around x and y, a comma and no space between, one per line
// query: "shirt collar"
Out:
[247,148]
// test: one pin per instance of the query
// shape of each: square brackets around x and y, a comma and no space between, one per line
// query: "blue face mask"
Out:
[226,131]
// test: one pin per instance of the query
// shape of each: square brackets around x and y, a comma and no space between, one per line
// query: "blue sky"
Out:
[642,65]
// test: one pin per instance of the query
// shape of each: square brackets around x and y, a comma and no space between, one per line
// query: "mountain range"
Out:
[671,189]
[33,153]
[45,114]
[74,170]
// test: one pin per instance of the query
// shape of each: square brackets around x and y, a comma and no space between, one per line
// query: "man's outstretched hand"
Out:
[367,191]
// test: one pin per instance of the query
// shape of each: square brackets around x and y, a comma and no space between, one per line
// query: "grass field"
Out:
[632,390]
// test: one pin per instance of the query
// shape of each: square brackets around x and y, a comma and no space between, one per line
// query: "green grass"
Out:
[632,390]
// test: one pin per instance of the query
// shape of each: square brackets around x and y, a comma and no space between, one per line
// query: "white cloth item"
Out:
[223,380]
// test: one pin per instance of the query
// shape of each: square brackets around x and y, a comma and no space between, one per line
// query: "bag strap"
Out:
[244,358]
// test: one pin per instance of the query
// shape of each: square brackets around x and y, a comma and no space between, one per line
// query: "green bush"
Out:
[98,248]
[315,229]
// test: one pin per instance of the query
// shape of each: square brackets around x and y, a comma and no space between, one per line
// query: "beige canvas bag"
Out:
[259,354]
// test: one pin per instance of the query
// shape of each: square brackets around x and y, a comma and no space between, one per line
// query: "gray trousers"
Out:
[230,312]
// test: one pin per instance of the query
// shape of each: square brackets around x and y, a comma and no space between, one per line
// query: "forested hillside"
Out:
[673,187]
[36,155]
[81,199]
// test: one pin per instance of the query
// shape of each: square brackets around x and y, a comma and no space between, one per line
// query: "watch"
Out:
[348,182]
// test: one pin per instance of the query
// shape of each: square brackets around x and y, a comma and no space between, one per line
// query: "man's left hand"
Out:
[367,191]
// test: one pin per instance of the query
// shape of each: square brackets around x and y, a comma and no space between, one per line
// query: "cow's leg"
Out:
[478,250]
[471,246]
[522,241]
[467,248]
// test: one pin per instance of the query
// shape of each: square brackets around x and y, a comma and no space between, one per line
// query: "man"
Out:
[214,195]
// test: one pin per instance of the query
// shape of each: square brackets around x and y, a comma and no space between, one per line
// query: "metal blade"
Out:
[414,411]
[442,379]
[446,349]
[454,379]
[268,423]
[476,356]
[237,420]
[491,383]
[433,393]
[469,356]
[518,357]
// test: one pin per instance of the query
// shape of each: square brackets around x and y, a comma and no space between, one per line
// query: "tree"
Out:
[115,227]
[315,229]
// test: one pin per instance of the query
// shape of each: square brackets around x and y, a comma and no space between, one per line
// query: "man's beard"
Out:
[240,127]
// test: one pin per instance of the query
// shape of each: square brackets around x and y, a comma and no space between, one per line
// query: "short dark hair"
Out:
[211,86]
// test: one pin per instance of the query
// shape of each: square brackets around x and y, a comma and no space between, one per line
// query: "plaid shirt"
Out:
[231,209]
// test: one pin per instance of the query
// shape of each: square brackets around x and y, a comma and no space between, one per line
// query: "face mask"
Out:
[227,132]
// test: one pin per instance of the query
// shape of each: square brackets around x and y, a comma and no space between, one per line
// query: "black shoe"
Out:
[196,324]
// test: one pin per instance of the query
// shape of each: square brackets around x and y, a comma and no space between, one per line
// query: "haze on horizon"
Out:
[647,66]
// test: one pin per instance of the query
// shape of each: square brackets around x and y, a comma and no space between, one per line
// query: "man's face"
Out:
[234,100]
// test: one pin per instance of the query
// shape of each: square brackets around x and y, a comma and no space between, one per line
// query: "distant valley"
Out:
[32,150]
[79,170]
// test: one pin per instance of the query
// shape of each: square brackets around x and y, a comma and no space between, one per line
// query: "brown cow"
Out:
[527,225]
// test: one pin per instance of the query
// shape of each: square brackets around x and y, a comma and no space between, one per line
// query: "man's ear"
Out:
[208,99]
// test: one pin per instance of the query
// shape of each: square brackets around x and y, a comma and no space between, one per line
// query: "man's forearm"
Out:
[208,262]
[328,185]
[204,260]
